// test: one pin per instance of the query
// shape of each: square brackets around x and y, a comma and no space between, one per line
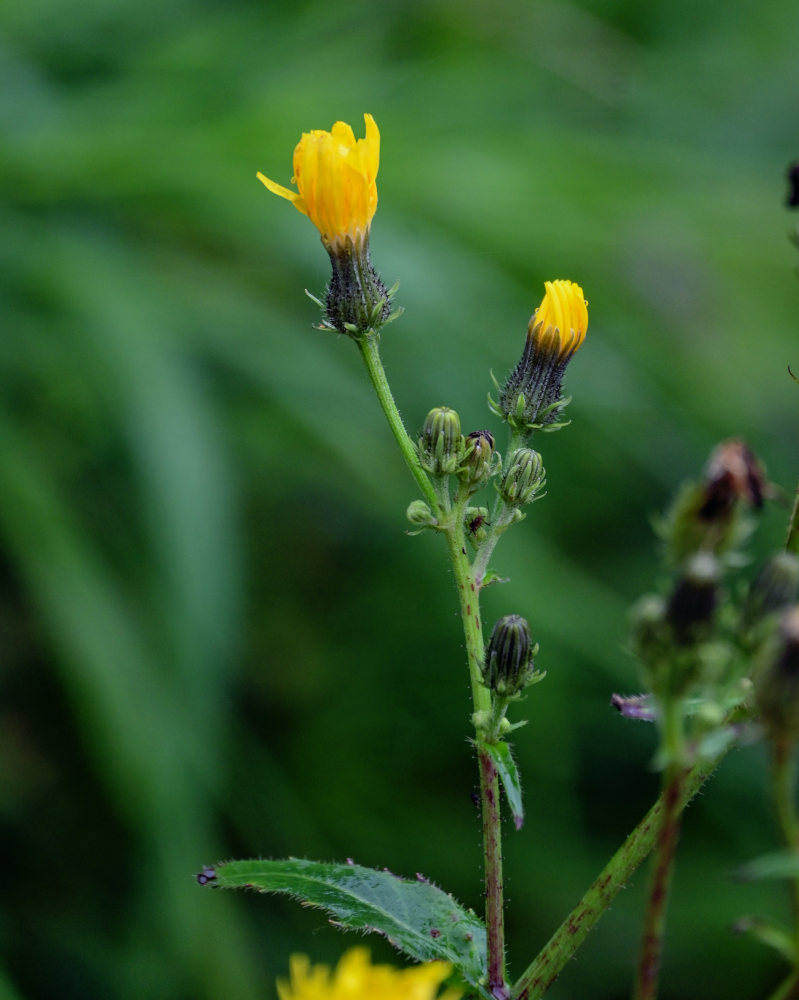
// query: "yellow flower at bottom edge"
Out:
[563,309]
[355,978]
[336,178]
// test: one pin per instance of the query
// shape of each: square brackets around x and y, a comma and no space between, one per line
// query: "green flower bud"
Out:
[419,513]
[476,524]
[777,680]
[693,601]
[508,665]
[524,478]
[710,514]
[478,458]
[648,628]
[441,443]
[775,588]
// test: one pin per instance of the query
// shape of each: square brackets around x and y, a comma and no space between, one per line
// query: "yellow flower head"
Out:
[355,978]
[562,317]
[336,178]
[531,398]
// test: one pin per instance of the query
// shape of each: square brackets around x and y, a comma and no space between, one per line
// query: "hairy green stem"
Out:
[783,776]
[492,845]
[547,966]
[369,346]
[672,739]
[646,986]
[469,601]
[500,519]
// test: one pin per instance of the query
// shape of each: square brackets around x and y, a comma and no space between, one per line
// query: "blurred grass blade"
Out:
[775,865]
[417,917]
[769,933]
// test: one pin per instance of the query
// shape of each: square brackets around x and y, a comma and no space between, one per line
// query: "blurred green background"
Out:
[216,639]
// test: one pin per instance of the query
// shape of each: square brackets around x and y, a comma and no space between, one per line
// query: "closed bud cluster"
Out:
[508,665]
[523,479]
[478,459]
[673,637]
[777,680]
[441,443]
[531,397]
[420,515]
[775,588]
[692,604]
[709,515]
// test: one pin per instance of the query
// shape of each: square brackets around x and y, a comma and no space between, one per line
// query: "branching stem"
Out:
[547,966]
[469,601]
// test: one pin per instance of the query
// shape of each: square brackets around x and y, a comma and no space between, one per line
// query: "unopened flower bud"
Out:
[476,523]
[775,587]
[524,478]
[693,601]
[508,664]
[733,474]
[419,513]
[441,443]
[647,626]
[777,680]
[477,459]
[709,514]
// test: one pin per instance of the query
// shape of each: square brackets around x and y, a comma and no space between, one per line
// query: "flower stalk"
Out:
[369,347]
[548,964]
[783,779]
[665,853]
[494,889]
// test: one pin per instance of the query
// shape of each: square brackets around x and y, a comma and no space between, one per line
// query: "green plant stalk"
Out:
[666,849]
[492,845]
[548,964]
[500,520]
[646,985]
[369,346]
[787,990]
[783,777]
[469,601]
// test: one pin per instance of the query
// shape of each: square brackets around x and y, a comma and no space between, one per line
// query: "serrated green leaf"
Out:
[774,865]
[508,773]
[416,916]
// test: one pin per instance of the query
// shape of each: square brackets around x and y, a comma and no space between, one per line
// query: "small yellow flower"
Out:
[355,978]
[336,178]
[564,312]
